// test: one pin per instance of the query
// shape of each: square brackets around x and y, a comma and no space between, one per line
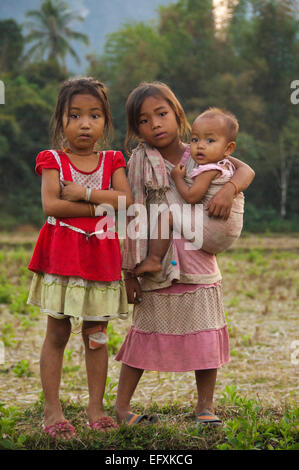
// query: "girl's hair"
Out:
[78,86]
[135,101]
[230,121]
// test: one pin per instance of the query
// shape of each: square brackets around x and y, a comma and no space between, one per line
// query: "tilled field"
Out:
[260,284]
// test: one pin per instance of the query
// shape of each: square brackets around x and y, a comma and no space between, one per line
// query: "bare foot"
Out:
[149,265]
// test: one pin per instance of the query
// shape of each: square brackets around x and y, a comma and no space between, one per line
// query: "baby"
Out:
[213,140]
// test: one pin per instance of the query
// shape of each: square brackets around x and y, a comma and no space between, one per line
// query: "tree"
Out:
[11,45]
[44,73]
[50,30]
[191,47]
[24,131]
[179,49]
[248,70]
[270,51]
[289,157]
[131,55]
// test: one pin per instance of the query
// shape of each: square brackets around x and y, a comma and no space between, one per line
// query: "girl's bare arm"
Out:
[75,192]
[243,175]
[220,205]
[51,202]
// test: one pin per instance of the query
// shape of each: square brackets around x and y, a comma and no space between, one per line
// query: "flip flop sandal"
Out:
[59,428]
[102,424]
[207,418]
[141,419]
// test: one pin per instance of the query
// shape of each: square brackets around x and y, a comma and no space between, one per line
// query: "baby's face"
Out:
[209,140]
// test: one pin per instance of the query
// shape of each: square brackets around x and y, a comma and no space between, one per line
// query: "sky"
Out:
[101,18]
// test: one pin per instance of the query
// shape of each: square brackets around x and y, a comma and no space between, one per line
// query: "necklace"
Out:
[68,150]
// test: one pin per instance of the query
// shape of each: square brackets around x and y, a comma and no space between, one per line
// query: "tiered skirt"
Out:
[178,329]
[71,296]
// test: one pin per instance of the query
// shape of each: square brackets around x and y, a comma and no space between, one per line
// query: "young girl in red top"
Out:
[77,269]
[178,318]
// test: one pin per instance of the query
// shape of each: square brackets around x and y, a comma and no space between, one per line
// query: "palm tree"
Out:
[51,32]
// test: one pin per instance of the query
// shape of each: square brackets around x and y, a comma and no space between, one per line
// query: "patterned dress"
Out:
[77,271]
[180,323]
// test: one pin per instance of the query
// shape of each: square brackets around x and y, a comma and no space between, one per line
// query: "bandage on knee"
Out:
[97,336]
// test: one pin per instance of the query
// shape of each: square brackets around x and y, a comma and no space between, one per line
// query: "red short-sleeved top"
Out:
[60,250]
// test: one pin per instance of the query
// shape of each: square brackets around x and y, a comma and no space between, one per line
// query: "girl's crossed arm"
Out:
[52,204]
[75,192]
[192,194]
[66,202]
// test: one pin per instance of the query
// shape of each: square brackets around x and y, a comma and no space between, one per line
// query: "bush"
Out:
[266,219]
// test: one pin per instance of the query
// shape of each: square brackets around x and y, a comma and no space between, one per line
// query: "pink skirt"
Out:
[178,329]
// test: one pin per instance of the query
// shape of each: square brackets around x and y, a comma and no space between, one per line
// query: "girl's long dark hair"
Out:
[78,86]
[135,101]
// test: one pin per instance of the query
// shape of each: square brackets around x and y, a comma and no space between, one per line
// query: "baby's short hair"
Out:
[231,122]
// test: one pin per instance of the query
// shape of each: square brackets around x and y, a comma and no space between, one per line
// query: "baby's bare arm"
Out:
[194,194]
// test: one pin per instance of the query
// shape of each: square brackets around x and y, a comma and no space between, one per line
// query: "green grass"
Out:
[22,369]
[262,276]
[247,425]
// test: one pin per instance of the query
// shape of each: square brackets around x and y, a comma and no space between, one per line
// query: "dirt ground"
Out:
[260,284]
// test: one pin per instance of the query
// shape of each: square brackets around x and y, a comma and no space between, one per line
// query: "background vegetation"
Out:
[247,67]
[256,394]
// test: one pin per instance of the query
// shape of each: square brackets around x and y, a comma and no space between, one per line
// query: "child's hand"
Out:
[179,171]
[220,205]
[134,292]
[72,192]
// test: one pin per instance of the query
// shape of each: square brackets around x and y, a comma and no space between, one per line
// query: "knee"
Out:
[94,336]
[59,336]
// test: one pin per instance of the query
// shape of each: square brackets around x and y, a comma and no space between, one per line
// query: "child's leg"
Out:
[57,335]
[205,381]
[157,249]
[128,381]
[96,367]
